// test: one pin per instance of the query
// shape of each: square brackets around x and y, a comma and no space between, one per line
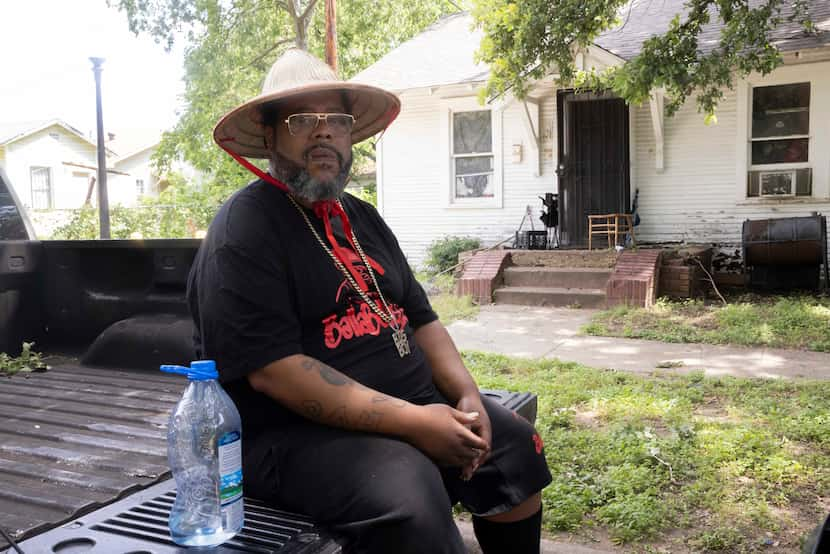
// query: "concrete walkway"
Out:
[553,333]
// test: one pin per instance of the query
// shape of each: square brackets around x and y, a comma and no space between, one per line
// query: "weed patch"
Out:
[27,362]
[448,306]
[800,322]
[719,464]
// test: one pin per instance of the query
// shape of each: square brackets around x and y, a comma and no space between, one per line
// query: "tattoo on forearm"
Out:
[312,409]
[338,417]
[329,374]
[370,420]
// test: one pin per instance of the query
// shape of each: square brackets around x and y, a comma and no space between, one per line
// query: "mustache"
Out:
[307,152]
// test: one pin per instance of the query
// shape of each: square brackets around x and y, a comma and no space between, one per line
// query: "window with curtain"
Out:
[780,140]
[472,152]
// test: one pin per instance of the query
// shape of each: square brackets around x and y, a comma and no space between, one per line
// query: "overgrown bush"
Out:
[442,254]
[180,211]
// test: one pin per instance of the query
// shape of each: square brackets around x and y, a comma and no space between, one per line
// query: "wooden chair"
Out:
[613,226]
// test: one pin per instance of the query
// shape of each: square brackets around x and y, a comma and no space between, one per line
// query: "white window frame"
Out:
[140,188]
[470,104]
[779,167]
[819,138]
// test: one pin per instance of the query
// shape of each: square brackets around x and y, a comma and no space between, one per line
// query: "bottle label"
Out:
[230,477]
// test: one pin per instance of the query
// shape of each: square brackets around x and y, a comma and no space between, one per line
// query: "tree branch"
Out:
[710,279]
[287,5]
[308,9]
[273,47]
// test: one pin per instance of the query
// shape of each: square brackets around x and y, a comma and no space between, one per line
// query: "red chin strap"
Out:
[325,210]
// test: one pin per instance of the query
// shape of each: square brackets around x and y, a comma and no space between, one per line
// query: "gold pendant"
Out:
[401,342]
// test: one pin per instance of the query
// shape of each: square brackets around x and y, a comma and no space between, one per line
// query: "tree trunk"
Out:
[300,18]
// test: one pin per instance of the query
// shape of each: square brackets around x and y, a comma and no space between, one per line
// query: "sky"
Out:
[45,72]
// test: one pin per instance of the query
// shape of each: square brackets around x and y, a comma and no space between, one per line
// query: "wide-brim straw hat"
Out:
[297,73]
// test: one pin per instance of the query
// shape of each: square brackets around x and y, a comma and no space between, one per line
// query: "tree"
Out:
[230,44]
[525,41]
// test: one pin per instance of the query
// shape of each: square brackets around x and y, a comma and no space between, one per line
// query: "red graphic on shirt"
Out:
[359,319]
[537,441]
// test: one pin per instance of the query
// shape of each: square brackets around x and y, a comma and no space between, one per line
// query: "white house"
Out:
[450,166]
[48,162]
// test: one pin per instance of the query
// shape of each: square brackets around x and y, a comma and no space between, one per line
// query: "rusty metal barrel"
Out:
[785,252]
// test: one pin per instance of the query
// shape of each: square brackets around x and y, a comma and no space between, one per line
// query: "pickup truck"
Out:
[83,459]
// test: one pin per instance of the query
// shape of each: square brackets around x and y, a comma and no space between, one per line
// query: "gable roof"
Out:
[444,53]
[642,19]
[130,142]
[14,131]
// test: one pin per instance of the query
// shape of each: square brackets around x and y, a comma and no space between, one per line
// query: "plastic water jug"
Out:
[204,448]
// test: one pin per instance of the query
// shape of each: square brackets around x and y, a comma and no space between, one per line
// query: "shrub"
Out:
[442,254]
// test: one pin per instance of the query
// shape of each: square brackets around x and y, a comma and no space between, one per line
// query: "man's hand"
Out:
[444,434]
[481,427]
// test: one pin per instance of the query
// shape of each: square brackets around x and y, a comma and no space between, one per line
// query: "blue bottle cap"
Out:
[201,370]
[206,369]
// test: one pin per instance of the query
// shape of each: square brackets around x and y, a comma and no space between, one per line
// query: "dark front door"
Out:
[593,161]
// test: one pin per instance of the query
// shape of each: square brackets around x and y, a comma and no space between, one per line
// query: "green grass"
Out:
[446,304]
[800,322]
[706,464]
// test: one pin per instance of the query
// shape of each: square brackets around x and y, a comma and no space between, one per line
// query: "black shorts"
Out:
[355,481]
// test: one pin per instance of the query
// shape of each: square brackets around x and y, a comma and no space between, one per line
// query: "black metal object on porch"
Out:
[550,218]
[530,240]
[786,253]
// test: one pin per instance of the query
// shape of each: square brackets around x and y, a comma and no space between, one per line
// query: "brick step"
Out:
[551,296]
[569,278]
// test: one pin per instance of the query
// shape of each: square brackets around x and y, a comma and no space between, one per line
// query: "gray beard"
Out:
[303,185]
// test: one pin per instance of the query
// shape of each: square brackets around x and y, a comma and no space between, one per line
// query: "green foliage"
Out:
[783,322]
[526,41]
[180,211]
[442,254]
[230,45]
[368,193]
[720,539]
[83,225]
[28,361]
[674,457]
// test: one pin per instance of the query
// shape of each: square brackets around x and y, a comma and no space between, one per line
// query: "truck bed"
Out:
[76,438]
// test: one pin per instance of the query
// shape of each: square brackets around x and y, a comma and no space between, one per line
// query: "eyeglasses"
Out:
[339,124]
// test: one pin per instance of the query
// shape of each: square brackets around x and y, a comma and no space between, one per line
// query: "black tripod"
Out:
[550,218]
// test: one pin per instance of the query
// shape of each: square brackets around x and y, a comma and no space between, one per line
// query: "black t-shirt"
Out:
[262,288]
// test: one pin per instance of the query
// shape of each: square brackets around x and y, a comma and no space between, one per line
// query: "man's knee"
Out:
[406,508]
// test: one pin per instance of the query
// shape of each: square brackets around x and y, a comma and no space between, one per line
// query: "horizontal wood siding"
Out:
[700,196]
[416,187]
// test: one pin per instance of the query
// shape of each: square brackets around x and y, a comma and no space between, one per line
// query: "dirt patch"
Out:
[565,258]
[589,419]
[713,413]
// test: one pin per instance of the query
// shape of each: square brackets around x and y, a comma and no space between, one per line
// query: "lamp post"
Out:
[103,199]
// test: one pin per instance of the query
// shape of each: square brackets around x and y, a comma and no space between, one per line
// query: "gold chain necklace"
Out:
[398,332]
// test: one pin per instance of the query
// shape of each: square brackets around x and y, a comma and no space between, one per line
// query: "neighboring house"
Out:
[449,165]
[48,162]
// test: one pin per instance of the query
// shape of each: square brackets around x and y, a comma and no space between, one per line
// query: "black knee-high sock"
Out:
[516,537]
